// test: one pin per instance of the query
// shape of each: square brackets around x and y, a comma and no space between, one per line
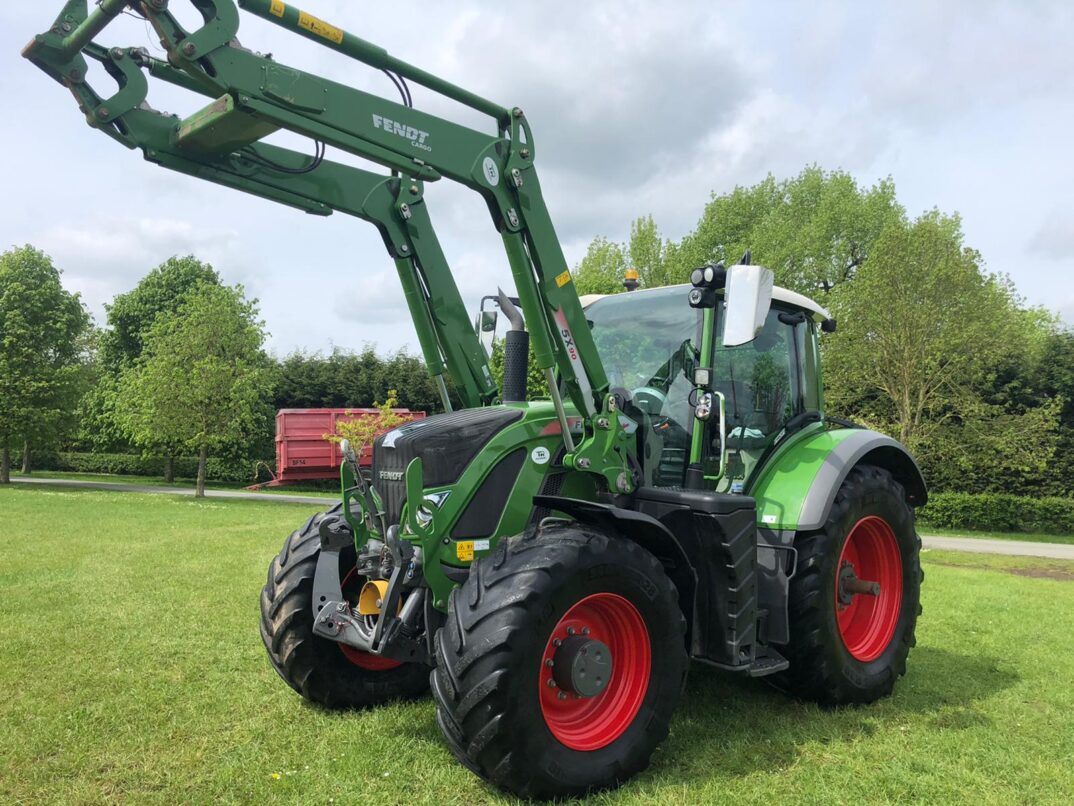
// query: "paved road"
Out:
[977,545]
[116,486]
[1016,548]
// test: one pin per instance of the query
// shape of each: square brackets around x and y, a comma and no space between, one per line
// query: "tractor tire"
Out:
[533,618]
[324,672]
[845,647]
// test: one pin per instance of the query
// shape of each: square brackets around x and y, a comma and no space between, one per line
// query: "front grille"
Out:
[446,443]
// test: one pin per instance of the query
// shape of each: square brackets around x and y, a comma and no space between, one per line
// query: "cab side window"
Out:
[760,382]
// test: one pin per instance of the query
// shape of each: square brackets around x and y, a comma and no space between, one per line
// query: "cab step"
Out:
[769,664]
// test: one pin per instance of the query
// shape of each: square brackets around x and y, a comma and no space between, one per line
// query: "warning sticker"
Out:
[465,549]
[563,279]
[319,27]
[277,8]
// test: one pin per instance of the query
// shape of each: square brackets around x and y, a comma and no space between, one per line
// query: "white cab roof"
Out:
[784,295]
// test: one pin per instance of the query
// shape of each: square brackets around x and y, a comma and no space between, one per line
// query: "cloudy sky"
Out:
[637,107]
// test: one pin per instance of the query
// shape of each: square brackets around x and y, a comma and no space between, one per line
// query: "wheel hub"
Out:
[850,586]
[582,666]
[594,671]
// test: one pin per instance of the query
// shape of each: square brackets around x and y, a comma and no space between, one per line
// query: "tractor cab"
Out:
[651,343]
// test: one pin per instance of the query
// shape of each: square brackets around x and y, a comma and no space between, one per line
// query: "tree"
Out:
[44,344]
[814,231]
[163,290]
[922,330]
[202,380]
[345,379]
[361,431]
[602,269]
[130,316]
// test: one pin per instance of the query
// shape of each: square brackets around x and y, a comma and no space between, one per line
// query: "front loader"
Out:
[548,567]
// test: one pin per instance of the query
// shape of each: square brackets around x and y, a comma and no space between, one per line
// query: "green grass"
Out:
[132,672]
[327,489]
[1033,537]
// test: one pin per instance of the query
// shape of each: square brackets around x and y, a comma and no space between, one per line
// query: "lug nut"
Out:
[551,683]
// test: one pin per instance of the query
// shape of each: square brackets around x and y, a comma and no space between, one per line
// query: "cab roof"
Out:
[784,295]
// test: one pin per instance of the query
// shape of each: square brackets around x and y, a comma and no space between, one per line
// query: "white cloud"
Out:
[636,108]
[1055,238]
[102,257]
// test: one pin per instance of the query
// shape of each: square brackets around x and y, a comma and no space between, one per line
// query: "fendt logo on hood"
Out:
[415,136]
[390,475]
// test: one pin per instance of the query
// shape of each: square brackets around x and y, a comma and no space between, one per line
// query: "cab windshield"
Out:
[649,344]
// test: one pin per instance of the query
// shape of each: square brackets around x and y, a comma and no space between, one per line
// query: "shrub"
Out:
[125,464]
[999,512]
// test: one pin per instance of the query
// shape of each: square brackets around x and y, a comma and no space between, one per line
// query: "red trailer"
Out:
[302,452]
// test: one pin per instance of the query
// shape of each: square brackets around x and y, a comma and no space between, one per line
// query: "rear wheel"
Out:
[855,598]
[325,672]
[561,661]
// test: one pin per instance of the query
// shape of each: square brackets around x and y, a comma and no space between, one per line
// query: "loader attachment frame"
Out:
[253,96]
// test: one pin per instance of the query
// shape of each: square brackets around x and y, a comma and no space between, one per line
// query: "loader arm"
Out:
[254,96]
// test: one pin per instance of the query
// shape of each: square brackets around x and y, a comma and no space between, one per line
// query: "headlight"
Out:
[703,409]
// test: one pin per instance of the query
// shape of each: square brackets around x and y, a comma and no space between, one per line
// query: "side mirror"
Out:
[749,296]
[486,329]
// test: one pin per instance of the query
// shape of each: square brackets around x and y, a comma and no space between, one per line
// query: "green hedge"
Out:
[999,512]
[125,464]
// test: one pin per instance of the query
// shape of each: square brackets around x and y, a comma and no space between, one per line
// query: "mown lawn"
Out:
[132,672]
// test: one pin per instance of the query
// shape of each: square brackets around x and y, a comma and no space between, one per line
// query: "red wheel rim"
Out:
[867,623]
[590,723]
[373,663]
[365,660]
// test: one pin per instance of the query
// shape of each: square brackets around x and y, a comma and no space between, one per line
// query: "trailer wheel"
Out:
[561,661]
[855,598]
[323,671]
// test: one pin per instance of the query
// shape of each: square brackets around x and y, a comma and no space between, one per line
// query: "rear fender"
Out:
[798,485]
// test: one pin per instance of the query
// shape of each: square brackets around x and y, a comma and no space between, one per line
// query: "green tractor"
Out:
[549,568]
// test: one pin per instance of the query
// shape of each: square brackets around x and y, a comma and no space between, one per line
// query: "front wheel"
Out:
[325,672]
[855,598]
[561,662]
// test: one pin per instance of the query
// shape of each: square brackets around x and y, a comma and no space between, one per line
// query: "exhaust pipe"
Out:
[516,352]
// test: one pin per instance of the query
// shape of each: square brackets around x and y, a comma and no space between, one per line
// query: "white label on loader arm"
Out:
[540,455]
[580,376]
[492,171]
